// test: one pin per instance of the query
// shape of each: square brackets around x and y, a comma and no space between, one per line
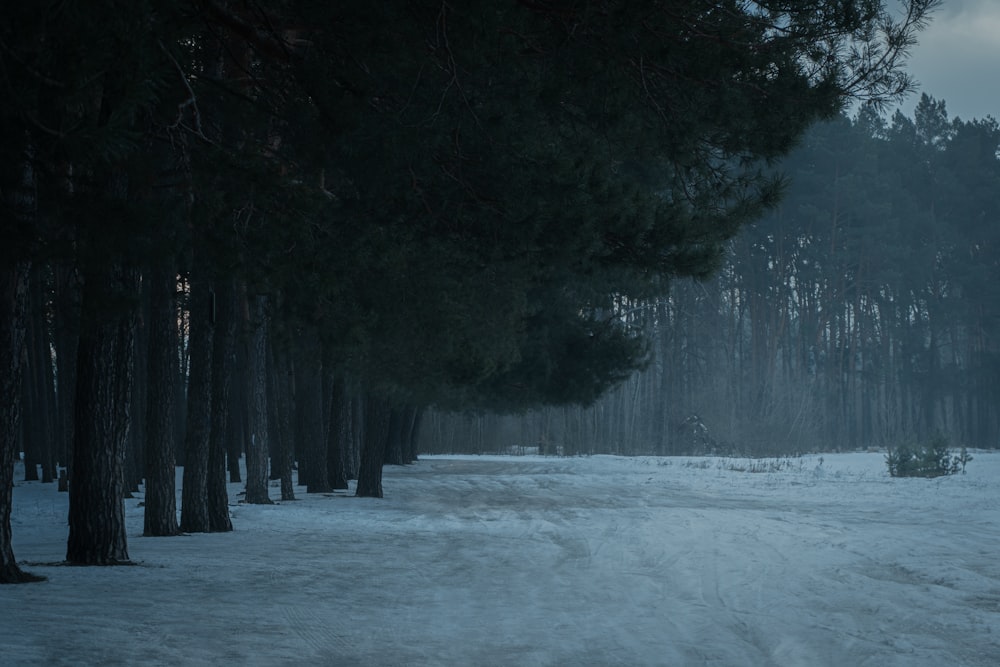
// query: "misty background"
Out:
[892,341]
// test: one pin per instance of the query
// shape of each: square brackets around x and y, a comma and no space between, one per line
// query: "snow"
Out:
[541,561]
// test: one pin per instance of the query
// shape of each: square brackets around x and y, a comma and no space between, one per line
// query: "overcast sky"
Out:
[958,59]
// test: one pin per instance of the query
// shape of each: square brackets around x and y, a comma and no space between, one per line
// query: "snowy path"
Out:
[541,561]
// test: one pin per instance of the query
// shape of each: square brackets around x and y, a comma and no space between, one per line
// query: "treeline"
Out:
[863,311]
[284,230]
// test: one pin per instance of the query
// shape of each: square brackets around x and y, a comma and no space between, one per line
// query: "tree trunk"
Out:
[223,358]
[66,333]
[103,393]
[374,441]
[257,445]
[236,422]
[13,292]
[135,443]
[182,304]
[309,414]
[410,443]
[394,443]
[352,457]
[38,388]
[161,497]
[338,433]
[280,421]
[194,493]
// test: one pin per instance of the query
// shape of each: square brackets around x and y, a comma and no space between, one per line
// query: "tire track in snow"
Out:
[733,580]
[327,637]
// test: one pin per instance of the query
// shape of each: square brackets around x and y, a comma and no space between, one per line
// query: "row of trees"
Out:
[370,206]
[863,311]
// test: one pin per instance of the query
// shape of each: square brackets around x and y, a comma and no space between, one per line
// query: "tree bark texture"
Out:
[38,386]
[394,445]
[194,493]
[375,439]
[13,293]
[237,421]
[280,420]
[338,433]
[352,457]
[309,414]
[223,359]
[66,333]
[411,443]
[103,393]
[135,446]
[257,445]
[161,497]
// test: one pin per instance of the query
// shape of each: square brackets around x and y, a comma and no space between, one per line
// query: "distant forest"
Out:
[863,311]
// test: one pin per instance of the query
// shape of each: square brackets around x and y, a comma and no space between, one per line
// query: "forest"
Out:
[861,312]
[283,231]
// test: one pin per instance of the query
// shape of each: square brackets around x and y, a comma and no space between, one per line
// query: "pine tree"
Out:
[13,292]
[160,514]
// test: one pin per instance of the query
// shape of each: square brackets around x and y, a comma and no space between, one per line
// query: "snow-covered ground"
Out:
[542,561]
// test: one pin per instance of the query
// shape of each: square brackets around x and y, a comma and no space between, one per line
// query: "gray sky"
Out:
[958,59]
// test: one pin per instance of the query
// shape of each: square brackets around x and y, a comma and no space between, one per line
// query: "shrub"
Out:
[763,465]
[932,459]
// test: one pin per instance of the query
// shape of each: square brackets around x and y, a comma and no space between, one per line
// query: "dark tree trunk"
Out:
[280,404]
[274,444]
[394,444]
[375,438]
[257,444]
[329,378]
[104,391]
[352,457]
[309,413]
[237,429]
[410,442]
[303,423]
[223,359]
[33,422]
[66,333]
[38,386]
[194,490]
[180,389]
[161,498]
[13,293]
[338,433]
[28,429]
[135,442]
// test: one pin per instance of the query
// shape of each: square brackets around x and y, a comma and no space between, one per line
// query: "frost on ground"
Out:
[542,561]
